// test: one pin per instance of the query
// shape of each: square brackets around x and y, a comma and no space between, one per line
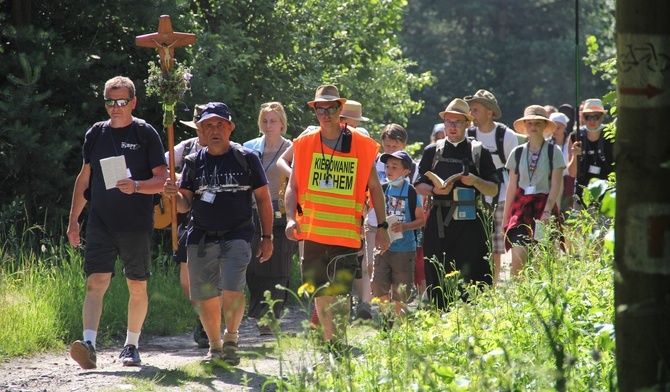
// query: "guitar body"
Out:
[162,212]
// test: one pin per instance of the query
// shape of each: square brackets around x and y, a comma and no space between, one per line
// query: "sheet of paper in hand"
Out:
[391,219]
[113,170]
[440,183]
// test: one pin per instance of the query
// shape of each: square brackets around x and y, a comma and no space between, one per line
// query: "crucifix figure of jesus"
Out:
[165,40]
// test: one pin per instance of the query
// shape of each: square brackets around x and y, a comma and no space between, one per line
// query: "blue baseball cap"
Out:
[216,109]
[402,155]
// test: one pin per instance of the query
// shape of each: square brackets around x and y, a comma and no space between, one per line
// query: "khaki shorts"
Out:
[329,268]
[224,267]
[390,270]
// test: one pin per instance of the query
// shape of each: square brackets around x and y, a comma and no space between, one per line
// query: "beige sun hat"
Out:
[327,93]
[488,100]
[197,113]
[354,110]
[593,105]
[457,106]
[534,112]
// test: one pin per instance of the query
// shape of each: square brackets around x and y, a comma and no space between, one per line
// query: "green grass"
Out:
[551,330]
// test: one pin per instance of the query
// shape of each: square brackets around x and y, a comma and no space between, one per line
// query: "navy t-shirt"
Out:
[117,211]
[221,194]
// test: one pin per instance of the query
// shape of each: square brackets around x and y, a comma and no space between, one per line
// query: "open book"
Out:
[440,183]
[113,170]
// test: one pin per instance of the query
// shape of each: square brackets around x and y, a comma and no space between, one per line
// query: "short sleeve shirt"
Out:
[540,177]
[143,150]
[398,204]
[221,199]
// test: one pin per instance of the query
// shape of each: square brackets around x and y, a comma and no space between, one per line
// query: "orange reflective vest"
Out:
[331,192]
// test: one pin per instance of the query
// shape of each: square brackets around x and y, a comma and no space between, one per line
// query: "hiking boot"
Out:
[200,336]
[214,355]
[84,354]
[265,330]
[130,356]
[363,311]
[230,355]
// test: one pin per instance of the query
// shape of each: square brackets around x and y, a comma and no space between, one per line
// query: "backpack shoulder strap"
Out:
[95,132]
[240,157]
[189,161]
[476,149]
[501,129]
[517,158]
[472,132]
[550,155]
[411,202]
[439,148]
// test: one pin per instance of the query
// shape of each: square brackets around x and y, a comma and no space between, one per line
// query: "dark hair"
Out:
[395,132]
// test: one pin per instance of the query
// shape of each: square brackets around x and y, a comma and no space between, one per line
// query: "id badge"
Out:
[128,173]
[277,214]
[208,197]
[326,184]
[530,190]
[594,169]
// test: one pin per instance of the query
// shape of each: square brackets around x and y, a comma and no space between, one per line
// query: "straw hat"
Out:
[197,113]
[327,93]
[354,110]
[488,100]
[593,105]
[457,106]
[534,112]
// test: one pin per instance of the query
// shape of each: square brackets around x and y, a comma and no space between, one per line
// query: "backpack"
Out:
[500,150]
[238,153]
[600,152]
[519,151]
[142,135]
[475,148]
[500,140]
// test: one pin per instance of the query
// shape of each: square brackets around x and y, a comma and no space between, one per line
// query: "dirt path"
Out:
[58,372]
[164,359]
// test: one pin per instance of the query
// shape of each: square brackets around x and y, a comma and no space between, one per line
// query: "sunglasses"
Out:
[592,117]
[456,124]
[271,105]
[329,110]
[119,102]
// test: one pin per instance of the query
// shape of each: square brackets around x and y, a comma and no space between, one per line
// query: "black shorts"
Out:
[329,264]
[519,236]
[103,248]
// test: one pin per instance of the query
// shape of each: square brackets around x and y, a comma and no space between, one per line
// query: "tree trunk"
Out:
[642,251]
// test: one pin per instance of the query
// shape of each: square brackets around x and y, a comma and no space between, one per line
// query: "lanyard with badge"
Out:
[532,161]
[325,183]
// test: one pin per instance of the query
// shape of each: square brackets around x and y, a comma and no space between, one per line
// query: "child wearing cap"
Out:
[393,271]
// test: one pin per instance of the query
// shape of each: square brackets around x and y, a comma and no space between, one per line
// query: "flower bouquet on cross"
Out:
[170,87]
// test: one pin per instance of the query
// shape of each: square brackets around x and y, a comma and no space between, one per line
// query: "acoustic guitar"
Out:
[163,212]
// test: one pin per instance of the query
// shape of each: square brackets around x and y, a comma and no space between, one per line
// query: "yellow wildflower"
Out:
[306,289]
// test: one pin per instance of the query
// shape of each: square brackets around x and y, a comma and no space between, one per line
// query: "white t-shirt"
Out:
[489,142]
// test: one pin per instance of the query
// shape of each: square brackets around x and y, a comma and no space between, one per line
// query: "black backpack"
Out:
[239,155]
[500,140]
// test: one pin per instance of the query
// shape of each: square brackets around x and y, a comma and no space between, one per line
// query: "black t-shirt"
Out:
[487,169]
[117,211]
[598,157]
[223,178]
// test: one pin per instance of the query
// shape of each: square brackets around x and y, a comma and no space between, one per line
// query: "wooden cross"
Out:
[165,40]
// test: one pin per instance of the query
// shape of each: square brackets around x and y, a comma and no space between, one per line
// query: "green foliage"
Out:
[42,289]
[170,87]
[550,330]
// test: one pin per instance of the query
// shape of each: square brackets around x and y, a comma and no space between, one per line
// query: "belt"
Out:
[217,235]
[443,221]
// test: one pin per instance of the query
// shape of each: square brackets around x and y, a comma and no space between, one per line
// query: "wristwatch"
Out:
[383,225]
[266,236]
[137,186]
